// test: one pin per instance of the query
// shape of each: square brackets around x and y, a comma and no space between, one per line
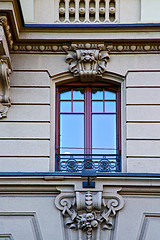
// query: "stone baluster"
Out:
[76,11]
[106,10]
[87,11]
[57,11]
[116,7]
[97,11]
[67,11]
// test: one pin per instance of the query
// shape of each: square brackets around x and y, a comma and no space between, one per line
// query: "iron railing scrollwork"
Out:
[78,162]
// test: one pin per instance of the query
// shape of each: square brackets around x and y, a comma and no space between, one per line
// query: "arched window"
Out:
[88,127]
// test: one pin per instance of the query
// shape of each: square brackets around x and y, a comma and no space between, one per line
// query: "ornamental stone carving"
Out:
[4,88]
[89,213]
[87,63]
[8,34]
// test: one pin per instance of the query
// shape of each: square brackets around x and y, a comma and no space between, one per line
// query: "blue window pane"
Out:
[78,93]
[65,106]
[97,106]
[72,133]
[97,93]
[78,106]
[110,107]
[104,133]
[110,95]
[65,95]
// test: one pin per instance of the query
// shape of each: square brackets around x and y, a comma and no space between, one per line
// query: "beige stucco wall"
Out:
[28,206]
[25,133]
[142,121]
[33,214]
[29,129]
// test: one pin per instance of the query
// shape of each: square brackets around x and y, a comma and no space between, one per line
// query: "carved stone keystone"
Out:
[89,212]
[87,63]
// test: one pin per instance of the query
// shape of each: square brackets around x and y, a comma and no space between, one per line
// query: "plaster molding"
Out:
[89,212]
[30,220]
[146,231]
[87,63]
[44,184]
[66,77]
[7,30]
[6,237]
[5,71]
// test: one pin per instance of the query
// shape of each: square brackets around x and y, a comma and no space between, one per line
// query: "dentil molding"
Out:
[88,212]
[4,88]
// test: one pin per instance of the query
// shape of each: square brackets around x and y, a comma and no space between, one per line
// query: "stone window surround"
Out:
[68,77]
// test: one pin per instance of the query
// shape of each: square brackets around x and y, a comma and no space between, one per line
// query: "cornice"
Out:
[28,46]
[39,46]
[62,48]
[46,185]
[31,40]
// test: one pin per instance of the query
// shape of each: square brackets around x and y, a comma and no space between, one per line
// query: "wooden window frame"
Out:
[87,112]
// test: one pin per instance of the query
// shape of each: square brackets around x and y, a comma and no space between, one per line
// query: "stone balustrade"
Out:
[86,11]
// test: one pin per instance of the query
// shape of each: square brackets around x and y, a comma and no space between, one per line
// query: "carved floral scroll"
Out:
[4,88]
[89,213]
[6,44]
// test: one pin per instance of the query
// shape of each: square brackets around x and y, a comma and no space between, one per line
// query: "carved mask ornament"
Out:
[87,63]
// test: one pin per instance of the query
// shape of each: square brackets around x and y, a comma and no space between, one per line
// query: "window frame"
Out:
[108,86]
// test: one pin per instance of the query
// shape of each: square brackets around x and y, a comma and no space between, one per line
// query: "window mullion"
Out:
[88,134]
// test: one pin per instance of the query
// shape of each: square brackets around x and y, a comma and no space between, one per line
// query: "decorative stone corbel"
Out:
[89,212]
[4,88]
[87,62]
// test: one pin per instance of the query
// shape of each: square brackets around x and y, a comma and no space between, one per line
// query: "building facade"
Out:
[79,119]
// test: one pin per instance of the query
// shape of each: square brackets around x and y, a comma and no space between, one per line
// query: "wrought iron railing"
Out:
[77,162]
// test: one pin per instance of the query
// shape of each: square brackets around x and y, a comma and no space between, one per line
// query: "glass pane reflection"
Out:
[97,93]
[78,93]
[65,94]
[110,95]
[104,133]
[72,133]
[110,106]
[97,106]
[78,106]
[65,106]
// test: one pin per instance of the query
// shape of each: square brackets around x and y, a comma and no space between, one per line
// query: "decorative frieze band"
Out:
[89,213]
[64,47]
